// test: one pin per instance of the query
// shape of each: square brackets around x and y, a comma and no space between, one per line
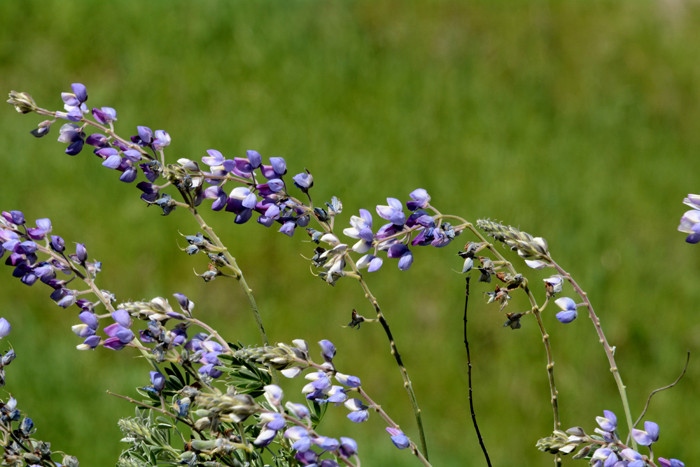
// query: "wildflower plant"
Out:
[208,399]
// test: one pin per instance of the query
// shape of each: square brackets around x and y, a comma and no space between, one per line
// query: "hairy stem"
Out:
[601,337]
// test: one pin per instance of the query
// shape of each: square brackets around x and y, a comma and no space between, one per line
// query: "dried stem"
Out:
[469,375]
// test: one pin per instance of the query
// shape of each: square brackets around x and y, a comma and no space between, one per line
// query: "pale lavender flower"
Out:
[265,437]
[273,394]
[420,198]
[327,444]
[300,437]
[393,212]
[162,140]
[648,436]
[568,313]
[608,422]
[298,410]
[347,380]
[215,158]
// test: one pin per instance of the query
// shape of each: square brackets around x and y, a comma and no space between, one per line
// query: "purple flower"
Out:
[420,198]
[649,435]
[74,103]
[14,217]
[254,158]
[393,212]
[105,115]
[399,439]
[276,169]
[5,328]
[569,310]
[145,136]
[70,133]
[157,380]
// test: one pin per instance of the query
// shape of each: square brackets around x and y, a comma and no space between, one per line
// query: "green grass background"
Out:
[577,121]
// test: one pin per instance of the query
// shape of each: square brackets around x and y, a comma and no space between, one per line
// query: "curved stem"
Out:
[608,350]
[395,352]
[469,377]
[535,311]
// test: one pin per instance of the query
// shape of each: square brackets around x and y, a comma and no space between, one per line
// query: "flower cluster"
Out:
[605,448]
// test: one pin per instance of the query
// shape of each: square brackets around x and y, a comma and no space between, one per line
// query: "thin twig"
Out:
[469,374]
[687,360]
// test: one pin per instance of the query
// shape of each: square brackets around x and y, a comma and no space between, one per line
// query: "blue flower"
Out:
[399,439]
[648,436]
[393,212]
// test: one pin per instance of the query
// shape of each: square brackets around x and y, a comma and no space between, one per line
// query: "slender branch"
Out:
[685,368]
[469,375]
[395,352]
[601,337]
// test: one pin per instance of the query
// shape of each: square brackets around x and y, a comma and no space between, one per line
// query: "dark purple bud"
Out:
[57,244]
[145,134]
[80,92]
[184,302]
[97,140]
[74,148]
[157,380]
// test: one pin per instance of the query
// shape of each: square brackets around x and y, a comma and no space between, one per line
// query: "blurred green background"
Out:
[577,121]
